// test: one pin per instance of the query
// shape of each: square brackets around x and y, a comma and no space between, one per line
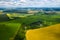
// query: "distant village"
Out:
[29,11]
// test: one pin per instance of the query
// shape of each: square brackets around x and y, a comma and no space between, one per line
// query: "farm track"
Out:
[12,38]
[21,30]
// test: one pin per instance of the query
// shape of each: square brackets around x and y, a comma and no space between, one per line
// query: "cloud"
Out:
[23,1]
[30,3]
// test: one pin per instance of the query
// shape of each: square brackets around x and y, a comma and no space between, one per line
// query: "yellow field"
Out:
[47,33]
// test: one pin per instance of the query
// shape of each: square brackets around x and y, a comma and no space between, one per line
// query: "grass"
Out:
[9,27]
[7,30]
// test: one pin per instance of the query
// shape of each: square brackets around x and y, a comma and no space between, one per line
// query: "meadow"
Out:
[14,26]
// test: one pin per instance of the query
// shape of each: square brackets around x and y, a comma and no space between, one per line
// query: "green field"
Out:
[8,30]
[15,25]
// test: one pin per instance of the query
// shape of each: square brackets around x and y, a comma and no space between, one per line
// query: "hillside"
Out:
[19,23]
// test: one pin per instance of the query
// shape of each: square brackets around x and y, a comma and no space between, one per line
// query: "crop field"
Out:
[47,33]
[8,30]
[13,26]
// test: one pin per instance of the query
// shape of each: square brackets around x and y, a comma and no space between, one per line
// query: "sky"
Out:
[29,3]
